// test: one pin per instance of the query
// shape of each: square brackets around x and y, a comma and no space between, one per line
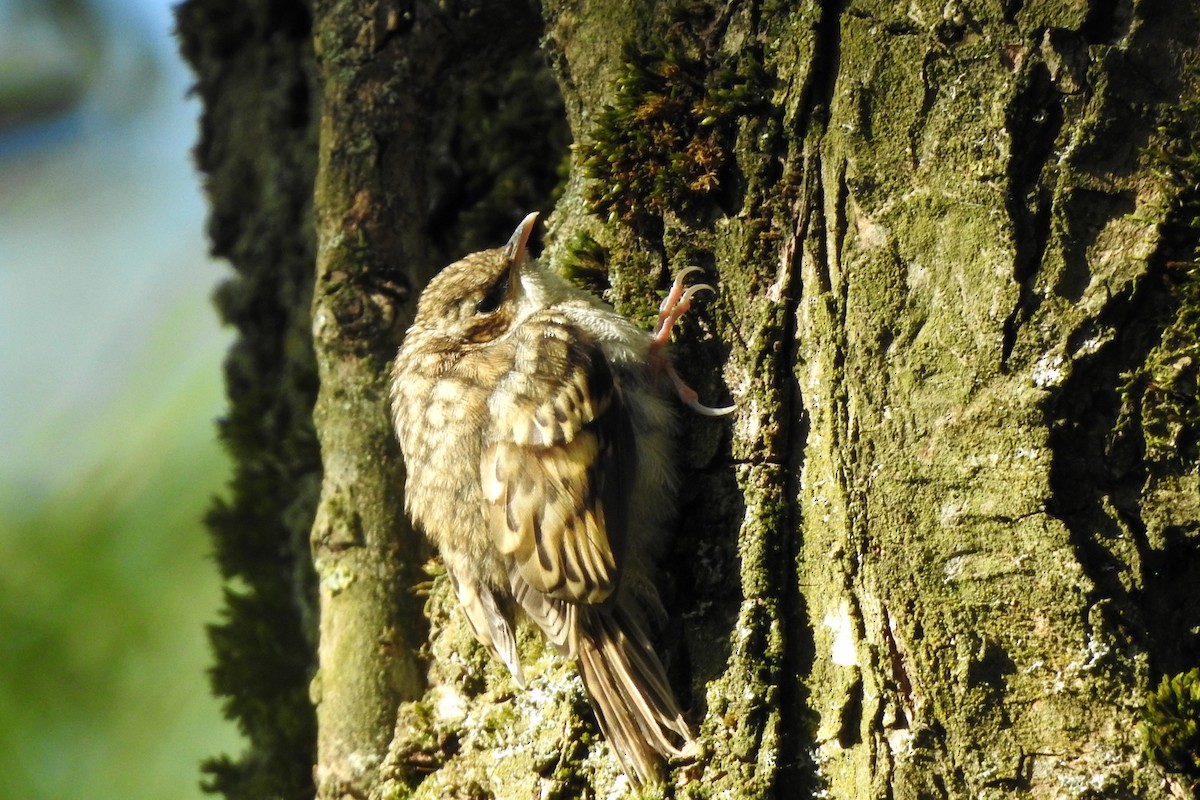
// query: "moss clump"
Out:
[1171,723]
[585,263]
[660,147]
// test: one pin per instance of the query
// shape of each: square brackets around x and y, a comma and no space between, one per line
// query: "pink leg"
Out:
[674,306]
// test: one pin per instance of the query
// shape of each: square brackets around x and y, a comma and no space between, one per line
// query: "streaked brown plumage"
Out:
[537,430]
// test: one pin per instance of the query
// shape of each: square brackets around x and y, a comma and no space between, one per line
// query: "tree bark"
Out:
[412,101]
[946,545]
[257,150]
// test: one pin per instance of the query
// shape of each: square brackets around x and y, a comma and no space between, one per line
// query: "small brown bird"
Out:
[537,429]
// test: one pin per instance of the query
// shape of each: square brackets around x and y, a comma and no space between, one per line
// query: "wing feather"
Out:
[554,470]
[491,621]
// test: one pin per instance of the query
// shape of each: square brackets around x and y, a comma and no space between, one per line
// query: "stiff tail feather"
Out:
[629,691]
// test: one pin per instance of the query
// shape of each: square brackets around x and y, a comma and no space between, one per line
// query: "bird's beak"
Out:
[514,251]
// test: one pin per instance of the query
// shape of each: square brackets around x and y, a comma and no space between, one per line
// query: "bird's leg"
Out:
[674,306]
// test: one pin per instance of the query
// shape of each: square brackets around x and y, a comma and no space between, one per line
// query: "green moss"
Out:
[661,146]
[585,263]
[1171,723]
[741,729]
[422,746]
[476,734]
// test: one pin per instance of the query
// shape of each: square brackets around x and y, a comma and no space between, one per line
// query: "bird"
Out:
[537,429]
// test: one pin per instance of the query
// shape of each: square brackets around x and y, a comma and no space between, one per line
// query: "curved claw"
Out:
[674,306]
[687,296]
[691,399]
[708,411]
[673,297]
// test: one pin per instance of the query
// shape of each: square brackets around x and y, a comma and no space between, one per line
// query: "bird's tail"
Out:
[629,691]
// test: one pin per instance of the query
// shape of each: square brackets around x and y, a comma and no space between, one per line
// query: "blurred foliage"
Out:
[110,359]
[107,586]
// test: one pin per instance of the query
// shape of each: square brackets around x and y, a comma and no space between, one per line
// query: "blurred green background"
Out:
[110,380]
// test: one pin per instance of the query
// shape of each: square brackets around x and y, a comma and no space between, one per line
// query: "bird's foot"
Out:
[675,305]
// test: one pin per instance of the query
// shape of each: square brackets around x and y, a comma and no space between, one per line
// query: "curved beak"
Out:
[514,251]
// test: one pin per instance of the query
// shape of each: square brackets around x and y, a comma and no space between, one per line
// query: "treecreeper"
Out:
[538,431]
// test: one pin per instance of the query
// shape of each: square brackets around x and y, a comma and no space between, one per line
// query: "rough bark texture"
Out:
[421,109]
[257,149]
[979,558]
[947,543]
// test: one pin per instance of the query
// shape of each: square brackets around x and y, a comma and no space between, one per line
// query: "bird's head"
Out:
[479,297]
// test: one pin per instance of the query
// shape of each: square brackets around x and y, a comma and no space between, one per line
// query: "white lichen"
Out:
[1048,372]
[843,651]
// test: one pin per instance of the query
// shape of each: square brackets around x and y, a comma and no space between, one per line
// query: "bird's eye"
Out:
[495,296]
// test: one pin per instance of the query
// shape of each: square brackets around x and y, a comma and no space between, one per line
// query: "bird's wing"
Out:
[556,468]
[491,621]
[556,618]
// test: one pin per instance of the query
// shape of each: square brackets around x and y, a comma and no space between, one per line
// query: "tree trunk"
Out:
[257,148]
[946,546]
